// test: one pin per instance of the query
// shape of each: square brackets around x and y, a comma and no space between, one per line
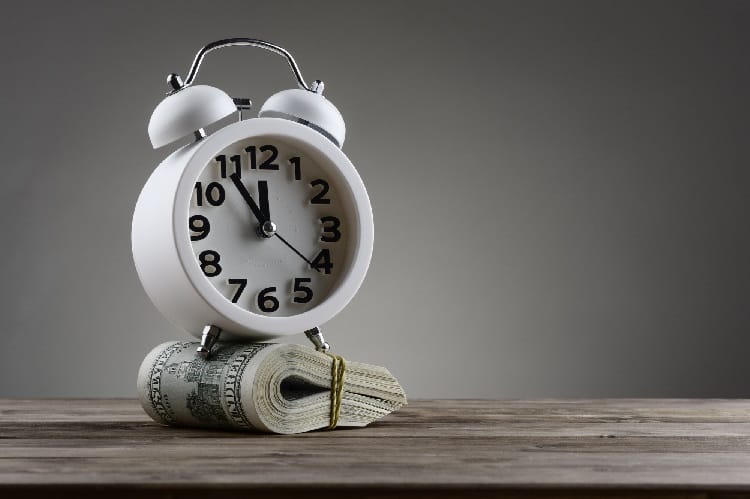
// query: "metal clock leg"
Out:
[316,337]
[209,337]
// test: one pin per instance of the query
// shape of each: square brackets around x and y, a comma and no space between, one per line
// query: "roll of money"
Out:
[266,387]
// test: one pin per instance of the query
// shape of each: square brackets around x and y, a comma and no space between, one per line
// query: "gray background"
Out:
[560,188]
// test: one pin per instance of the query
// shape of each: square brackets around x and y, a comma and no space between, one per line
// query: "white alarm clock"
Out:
[260,229]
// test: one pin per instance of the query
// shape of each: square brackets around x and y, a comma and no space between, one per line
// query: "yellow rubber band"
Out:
[338,368]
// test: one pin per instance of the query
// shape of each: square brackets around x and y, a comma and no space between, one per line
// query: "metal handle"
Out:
[177,83]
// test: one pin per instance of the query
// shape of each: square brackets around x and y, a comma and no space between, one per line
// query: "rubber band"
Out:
[338,368]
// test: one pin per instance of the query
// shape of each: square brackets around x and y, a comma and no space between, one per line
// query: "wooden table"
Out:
[432,448]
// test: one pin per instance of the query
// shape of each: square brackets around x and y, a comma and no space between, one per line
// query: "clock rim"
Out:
[361,221]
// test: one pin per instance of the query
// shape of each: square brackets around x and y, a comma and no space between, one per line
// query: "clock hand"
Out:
[263,198]
[295,250]
[267,227]
[259,214]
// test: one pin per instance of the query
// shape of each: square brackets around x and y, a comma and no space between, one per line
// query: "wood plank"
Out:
[675,448]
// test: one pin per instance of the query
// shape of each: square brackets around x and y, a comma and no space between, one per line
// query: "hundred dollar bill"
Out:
[266,387]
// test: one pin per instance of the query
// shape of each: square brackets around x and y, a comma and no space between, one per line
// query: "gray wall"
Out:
[560,188]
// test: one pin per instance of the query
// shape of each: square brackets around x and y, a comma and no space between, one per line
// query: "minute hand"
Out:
[259,214]
[296,251]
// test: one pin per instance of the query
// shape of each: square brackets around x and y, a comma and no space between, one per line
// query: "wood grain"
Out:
[432,448]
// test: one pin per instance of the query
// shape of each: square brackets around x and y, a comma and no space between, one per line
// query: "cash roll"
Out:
[279,388]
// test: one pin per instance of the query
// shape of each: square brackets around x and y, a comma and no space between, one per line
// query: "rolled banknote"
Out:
[265,387]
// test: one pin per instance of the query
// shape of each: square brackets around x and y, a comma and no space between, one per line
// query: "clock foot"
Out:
[316,337]
[209,337]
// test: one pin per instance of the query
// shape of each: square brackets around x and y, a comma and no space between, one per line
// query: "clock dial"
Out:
[268,227]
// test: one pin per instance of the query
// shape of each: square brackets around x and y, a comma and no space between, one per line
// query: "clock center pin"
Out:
[267,229]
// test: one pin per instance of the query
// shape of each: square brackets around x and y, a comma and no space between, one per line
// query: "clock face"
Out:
[269,226]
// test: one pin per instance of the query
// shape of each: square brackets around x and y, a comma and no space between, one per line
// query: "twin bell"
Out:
[188,109]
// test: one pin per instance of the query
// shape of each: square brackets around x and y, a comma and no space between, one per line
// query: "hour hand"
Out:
[262,184]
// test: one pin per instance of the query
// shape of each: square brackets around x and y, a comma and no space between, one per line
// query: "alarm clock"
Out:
[260,229]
